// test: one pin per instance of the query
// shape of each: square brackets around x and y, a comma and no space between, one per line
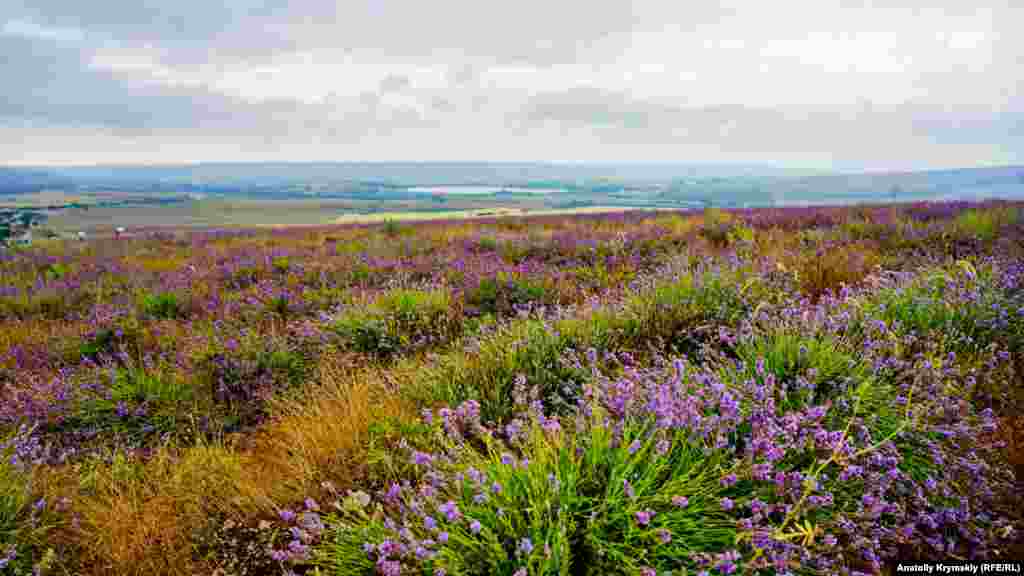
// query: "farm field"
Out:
[816,390]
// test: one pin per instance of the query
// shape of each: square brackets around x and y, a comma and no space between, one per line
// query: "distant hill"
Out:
[415,173]
[29,181]
[725,184]
[1003,181]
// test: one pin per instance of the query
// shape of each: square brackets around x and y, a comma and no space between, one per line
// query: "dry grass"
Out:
[143,518]
[140,518]
[323,436]
[832,268]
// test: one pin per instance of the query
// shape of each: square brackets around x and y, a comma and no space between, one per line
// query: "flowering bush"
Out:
[842,380]
[677,468]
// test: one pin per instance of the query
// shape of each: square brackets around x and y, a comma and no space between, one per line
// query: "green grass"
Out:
[567,494]
[822,362]
[164,305]
[398,322]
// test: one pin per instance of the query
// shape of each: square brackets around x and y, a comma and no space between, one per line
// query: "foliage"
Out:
[855,368]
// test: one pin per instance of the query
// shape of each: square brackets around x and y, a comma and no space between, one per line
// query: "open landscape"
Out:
[813,390]
[531,288]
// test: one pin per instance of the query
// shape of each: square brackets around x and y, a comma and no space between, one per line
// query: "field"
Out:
[768,391]
[259,213]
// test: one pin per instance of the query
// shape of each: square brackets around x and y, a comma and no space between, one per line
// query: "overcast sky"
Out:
[896,84]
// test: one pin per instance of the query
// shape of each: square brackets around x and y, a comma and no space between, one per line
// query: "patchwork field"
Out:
[797,390]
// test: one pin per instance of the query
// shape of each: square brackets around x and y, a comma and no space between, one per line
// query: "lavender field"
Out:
[767,391]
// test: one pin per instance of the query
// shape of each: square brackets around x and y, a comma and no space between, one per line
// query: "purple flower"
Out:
[662,447]
[442,537]
[474,526]
[628,488]
[312,505]
[451,510]
[664,535]
[643,517]
[648,571]
[525,546]
[389,567]
[286,515]
[421,458]
[680,501]
[727,504]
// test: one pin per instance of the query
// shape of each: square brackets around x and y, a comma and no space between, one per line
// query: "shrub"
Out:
[502,294]
[488,372]
[392,228]
[164,305]
[676,470]
[678,314]
[243,380]
[400,321]
[282,264]
[722,229]
[980,224]
[139,518]
[24,523]
[488,244]
[244,277]
[367,334]
[811,370]
[123,334]
[831,267]
[542,500]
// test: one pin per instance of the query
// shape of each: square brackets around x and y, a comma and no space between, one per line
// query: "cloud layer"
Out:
[823,83]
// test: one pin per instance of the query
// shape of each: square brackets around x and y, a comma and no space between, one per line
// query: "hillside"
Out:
[829,388]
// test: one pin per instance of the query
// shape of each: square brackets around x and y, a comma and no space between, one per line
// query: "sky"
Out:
[820,84]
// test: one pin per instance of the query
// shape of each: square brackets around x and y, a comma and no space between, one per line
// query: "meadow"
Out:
[767,391]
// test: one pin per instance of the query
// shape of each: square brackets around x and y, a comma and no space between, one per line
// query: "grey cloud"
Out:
[48,79]
[443,105]
[395,83]
[530,32]
[54,84]
[873,134]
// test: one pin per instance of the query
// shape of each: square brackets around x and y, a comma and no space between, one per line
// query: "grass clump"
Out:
[164,305]
[400,322]
[834,266]
[544,500]
[25,518]
[502,295]
[810,369]
[984,224]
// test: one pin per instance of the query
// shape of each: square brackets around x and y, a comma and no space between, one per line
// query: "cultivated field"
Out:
[800,390]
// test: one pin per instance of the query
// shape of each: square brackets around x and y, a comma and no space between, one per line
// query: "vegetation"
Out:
[803,390]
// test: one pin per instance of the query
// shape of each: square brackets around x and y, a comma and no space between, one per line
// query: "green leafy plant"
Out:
[164,305]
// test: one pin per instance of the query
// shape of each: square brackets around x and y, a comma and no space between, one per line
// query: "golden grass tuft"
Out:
[324,434]
[828,270]
[143,517]
[140,518]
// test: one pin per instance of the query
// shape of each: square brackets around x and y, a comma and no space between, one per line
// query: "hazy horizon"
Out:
[771,169]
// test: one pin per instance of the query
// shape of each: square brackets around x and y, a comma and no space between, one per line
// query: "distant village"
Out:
[18,226]
[21,226]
